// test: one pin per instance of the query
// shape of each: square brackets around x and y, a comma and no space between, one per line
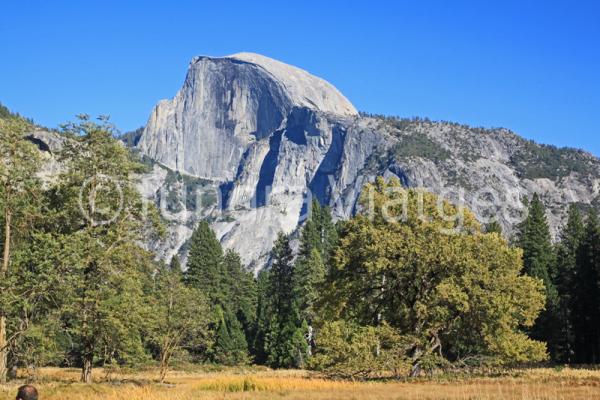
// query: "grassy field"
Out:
[55,384]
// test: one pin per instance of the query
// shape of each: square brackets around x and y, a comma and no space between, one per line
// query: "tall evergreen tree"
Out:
[308,278]
[230,289]
[241,292]
[319,232]
[175,264]
[285,345]
[261,322]
[205,263]
[317,241]
[586,295]
[539,262]
[231,347]
[566,265]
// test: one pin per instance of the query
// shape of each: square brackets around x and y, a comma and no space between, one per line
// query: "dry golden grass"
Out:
[237,384]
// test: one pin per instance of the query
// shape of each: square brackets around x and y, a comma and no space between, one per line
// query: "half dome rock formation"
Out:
[248,141]
[225,105]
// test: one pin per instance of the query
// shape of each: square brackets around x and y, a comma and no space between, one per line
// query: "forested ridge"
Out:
[371,296]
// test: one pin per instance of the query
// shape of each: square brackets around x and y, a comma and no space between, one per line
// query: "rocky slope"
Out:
[248,141]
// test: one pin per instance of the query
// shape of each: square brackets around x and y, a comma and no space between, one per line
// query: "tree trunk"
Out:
[86,370]
[3,274]
[3,350]
[164,366]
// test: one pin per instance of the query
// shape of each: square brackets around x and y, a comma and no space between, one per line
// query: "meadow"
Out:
[252,383]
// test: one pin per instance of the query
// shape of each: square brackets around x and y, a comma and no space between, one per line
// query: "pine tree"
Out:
[230,289]
[261,323]
[175,264]
[308,278]
[317,241]
[285,345]
[539,262]
[281,277]
[310,237]
[586,295]
[566,262]
[205,264]
[231,347]
[329,234]
[241,291]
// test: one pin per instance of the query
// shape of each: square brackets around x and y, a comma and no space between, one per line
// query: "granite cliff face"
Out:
[226,105]
[248,141]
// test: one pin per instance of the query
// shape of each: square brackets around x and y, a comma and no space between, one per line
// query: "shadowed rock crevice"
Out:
[320,185]
[267,171]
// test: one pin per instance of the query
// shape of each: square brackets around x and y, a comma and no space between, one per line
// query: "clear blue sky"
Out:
[533,67]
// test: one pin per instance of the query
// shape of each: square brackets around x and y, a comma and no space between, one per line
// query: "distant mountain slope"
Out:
[247,142]
[258,141]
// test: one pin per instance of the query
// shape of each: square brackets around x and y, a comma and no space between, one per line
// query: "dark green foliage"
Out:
[566,266]
[494,227]
[533,161]
[281,277]
[175,265]
[241,294]
[261,323]
[231,347]
[308,279]
[102,311]
[539,262]
[231,291]
[187,192]
[419,145]
[132,138]
[6,114]
[205,264]
[585,295]
[318,239]
[281,328]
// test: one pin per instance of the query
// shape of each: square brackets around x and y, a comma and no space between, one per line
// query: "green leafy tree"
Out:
[539,261]
[349,350]
[566,262]
[586,295]
[19,204]
[179,316]
[102,220]
[34,282]
[450,292]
